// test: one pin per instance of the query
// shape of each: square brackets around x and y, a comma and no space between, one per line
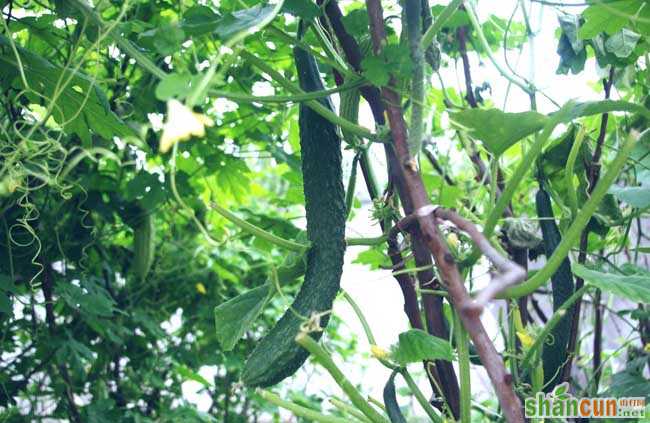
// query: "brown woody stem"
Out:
[415,192]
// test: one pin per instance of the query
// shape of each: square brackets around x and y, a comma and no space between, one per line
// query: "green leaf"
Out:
[630,382]
[147,188]
[622,43]
[237,22]
[588,108]
[6,305]
[305,9]
[81,107]
[174,85]
[637,197]
[235,316]
[166,39]
[633,287]
[390,401]
[609,18]
[7,285]
[416,345]
[373,257]
[498,130]
[199,20]
[374,69]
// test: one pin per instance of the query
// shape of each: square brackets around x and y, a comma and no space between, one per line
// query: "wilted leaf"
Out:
[622,43]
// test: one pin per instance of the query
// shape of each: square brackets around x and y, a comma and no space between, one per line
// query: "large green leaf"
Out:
[81,106]
[609,18]
[498,130]
[305,9]
[235,316]
[637,197]
[633,287]
[416,345]
[199,20]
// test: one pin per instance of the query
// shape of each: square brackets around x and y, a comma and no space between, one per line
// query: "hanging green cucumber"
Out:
[143,245]
[277,355]
[554,354]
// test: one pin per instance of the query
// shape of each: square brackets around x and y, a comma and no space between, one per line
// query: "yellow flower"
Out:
[646,348]
[378,352]
[182,123]
[526,340]
[200,288]
[452,240]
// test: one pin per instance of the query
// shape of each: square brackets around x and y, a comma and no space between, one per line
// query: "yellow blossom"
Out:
[524,337]
[182,123]
[452,240]
[378,352]
[200,288]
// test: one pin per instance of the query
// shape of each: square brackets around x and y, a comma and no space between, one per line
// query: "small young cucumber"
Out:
[277,355]
[143,245]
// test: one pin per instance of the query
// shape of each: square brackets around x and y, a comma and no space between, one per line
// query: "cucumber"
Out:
[277,355]
[143,245]
[554,354]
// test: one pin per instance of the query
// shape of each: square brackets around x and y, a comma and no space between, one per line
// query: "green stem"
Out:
[313,104]
[257,231]
[552,322]
[361,317]
[347,408]
[366,241]
[568,172]
[462,345]
[299,410]
[579,223]
[324,359]
[297,98]
[439,22]
[419,396]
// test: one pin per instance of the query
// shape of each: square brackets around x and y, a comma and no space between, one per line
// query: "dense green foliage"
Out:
[158,158]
